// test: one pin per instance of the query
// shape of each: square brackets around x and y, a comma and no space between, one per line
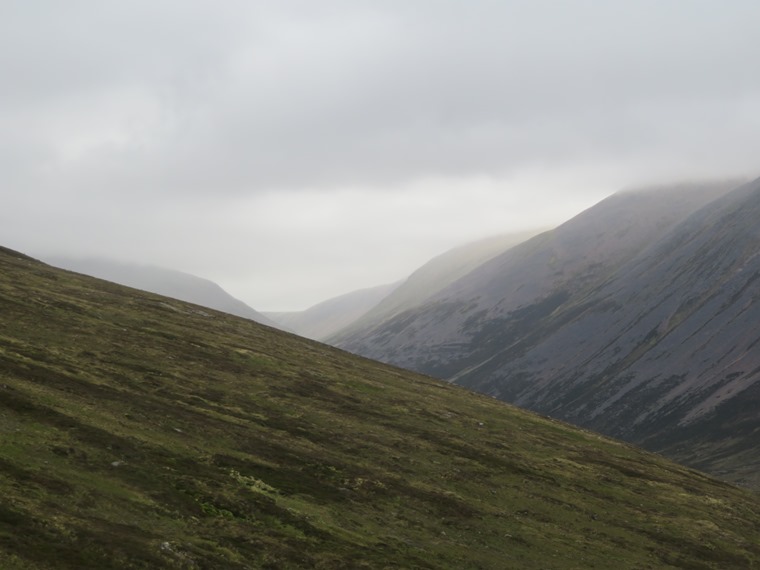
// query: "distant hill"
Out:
[175,284]
[596,323]
[336,318]
[143,432]
[326,318]
[431,278]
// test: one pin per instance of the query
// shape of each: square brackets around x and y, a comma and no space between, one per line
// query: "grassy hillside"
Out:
[142,432]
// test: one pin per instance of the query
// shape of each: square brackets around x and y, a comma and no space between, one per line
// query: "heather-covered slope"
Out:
[175,284]
[139,431]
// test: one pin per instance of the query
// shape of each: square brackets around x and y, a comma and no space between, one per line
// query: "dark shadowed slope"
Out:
[326,318]
[138,431]
[175,284]
[664,354]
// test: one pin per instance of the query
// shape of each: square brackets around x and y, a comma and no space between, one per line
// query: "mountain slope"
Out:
[633,319]
[450,331]
[326,318]
[664,353]
[142,432]
[175,284]
[431,278]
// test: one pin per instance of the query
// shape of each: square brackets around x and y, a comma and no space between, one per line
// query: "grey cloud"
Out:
[112,113]
[478,96]
[377,93]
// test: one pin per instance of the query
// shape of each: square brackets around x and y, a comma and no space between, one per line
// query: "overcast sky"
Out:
[296,150]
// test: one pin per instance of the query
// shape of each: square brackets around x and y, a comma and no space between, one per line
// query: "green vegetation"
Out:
[142,432]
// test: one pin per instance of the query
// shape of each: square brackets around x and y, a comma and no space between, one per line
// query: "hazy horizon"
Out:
[295,151]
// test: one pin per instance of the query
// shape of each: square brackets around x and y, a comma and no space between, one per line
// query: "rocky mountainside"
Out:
[664,353]
[326,318]
[175,284]
[141,432]
[634,318]
[448,331]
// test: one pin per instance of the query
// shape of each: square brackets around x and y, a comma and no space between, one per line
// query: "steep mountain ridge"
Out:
[639,333]
[142,432]
[664,353]
[450,331]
